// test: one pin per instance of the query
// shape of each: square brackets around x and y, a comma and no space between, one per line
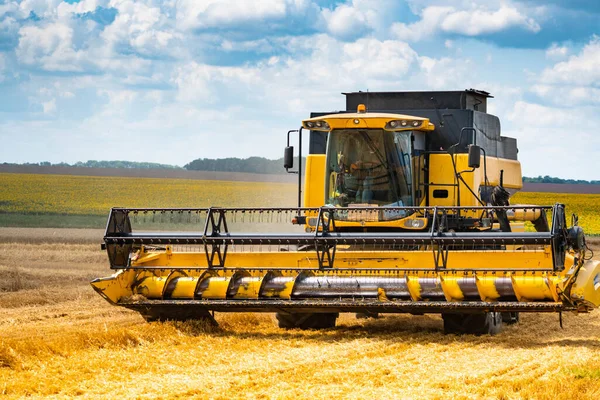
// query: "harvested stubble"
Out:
[77,345]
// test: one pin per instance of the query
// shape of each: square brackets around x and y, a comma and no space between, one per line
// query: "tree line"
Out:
[105,164]
[552,179]
[256,165]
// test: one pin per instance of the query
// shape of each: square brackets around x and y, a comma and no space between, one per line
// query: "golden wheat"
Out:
[61,339]
[586,206]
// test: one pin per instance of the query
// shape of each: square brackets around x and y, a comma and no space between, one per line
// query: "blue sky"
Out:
[172,81]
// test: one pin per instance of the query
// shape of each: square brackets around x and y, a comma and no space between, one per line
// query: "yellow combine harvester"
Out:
[406,210]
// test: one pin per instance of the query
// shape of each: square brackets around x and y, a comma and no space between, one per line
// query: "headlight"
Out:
[414,223]
[320,125]
[399,124]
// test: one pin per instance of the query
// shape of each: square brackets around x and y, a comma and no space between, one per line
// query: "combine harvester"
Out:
[406,210]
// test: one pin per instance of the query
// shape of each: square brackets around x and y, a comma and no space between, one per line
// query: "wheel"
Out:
[306,320]
[510,318]
[162,315]
[489,323]
[366,315]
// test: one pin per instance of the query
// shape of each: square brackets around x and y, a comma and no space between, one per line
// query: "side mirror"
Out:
[288,157]
[474,156]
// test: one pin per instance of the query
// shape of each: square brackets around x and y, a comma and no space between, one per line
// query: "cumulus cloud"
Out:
[41,8]
[192,14]
[50,47]
[581,69]
[143,29]
[80,7]
[557,52]
[346,21]
[574,82]
[475,21]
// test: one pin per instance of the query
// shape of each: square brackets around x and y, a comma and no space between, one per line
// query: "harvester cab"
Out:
[403,207]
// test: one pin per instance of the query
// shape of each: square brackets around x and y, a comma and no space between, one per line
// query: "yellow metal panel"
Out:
[184,287]
[217,287]
[414,288]
[116,286]
[586,288]
[441,172]
[314,181]
[486,285]
[451,288]
[286,293]
[151,286]
[531,287]
[416,259]
[249,289]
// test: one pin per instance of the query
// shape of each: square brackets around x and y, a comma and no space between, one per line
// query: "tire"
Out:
[489,323]
[510,318]
[306,320]
[367,315]
[161,315]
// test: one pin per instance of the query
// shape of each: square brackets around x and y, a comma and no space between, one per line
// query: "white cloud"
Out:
[582,69]
[142,28]
[444,73]
[119,102]
[346,21]
[431,20]
[49,47]
[2,66]
[472,22]
[193,14]
[376,59]
[49,107]
[479,21]
[81,7]
[557,52]
[546,134]
[201,82]
[257,46]
[42,8]
[574,82]
[8,7]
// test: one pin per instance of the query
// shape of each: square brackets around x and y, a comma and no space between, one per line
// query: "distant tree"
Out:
[256,165]
[552,179]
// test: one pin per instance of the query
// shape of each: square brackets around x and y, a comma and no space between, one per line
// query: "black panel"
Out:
[457,100]
[318,140]
[440,194]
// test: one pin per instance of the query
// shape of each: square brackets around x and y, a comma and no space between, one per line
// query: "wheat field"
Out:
[59,339]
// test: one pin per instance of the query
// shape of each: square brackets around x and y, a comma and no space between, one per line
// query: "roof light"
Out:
[318,125]
[401,124]
[361,109]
